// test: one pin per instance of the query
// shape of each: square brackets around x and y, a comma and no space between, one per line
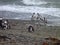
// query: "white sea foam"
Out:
[31,9]
[33,2]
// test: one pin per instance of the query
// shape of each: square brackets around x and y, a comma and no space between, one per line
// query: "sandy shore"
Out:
[20,32]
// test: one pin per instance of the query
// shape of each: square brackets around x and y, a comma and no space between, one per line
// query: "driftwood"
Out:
[4,38]
[52,41]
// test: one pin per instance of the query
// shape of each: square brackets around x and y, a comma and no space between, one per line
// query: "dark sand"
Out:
[19,27]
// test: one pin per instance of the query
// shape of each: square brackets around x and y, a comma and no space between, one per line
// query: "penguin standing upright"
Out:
[30,28]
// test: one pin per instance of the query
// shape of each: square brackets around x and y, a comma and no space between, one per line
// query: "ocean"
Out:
[23,9]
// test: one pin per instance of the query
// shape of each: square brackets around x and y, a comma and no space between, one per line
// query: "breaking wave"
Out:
[31,9]
[33,2]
